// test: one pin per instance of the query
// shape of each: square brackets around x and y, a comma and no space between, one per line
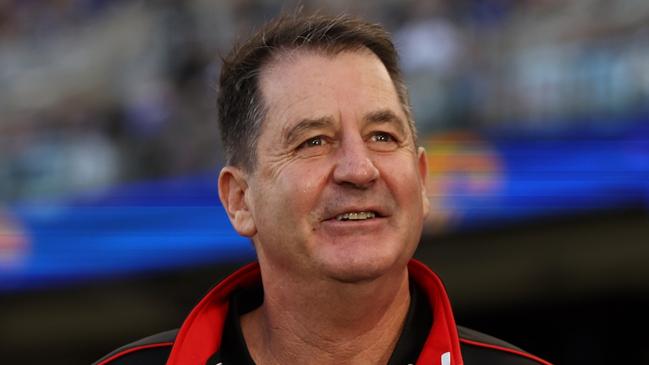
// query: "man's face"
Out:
[338,189]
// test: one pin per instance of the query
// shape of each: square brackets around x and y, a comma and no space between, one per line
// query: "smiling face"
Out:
[338,187]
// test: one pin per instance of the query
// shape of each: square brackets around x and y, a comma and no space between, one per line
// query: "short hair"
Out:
[240,105]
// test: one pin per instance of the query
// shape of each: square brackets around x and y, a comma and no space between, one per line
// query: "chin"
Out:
[360,269]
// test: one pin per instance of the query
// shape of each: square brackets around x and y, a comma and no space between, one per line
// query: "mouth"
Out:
[356,216]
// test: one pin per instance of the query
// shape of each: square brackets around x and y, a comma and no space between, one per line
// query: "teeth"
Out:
[356,216]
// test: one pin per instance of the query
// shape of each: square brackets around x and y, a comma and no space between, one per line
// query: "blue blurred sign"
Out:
[179,222]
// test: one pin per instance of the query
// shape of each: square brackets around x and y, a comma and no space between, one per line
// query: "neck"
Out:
[327,322]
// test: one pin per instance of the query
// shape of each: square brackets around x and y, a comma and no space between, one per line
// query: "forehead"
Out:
[301,84]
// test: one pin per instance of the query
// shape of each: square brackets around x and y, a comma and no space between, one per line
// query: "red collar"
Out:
[200,335]
[443,341]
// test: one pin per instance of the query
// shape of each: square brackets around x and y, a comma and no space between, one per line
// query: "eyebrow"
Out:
[293,133]
[386,116]
[383,116]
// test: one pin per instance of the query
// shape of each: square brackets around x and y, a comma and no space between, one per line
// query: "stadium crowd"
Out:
[99,92]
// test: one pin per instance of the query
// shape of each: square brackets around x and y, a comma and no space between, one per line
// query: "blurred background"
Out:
[535,115]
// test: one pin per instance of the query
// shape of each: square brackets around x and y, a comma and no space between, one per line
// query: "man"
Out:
[323,174]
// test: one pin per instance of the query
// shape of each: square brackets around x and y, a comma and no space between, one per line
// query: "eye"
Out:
[382,137]
[383,141]
[313,142]
[314,146]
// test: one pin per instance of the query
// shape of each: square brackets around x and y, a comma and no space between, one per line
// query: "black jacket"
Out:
[197,341]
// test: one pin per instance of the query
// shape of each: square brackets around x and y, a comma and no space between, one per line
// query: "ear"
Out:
[233,188]
[422,165]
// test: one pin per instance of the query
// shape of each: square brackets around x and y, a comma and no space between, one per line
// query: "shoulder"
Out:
[481,349]
[152,350]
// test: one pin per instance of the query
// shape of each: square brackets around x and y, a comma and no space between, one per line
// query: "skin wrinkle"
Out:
[295,133]
[285,156]
[329,289]
[278,160]
[329,38]
[292,135]
[291,55]
[386,116]
[312,337]
[357,162]
[262,113]
[307,335]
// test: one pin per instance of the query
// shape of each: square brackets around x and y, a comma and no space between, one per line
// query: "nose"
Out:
[354,166]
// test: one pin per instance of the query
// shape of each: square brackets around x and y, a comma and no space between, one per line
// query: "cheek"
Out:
[302,186]
[404,181]
[295,191]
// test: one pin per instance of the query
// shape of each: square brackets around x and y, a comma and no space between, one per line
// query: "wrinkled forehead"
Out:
[284,68]
[305,81]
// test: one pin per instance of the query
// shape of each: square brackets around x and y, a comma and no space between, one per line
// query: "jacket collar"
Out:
[200,335]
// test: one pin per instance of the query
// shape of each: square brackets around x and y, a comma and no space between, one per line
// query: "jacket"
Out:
[198,340]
